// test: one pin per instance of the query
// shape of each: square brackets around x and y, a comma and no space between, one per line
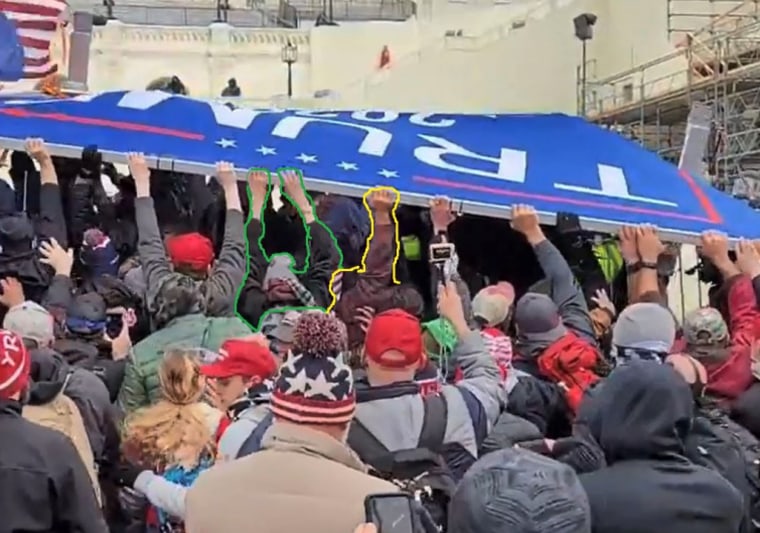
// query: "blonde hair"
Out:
[175,429]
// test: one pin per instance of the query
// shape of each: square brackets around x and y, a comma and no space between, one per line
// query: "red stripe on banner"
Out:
[31,42]
[556,199]
[36,61]
[702,198]
[39,25]
[115,124]
[31,8]
[36,75]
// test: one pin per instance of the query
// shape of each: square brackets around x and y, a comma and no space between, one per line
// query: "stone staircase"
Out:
[455,55]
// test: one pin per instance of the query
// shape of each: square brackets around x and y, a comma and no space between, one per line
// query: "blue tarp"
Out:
[484,162]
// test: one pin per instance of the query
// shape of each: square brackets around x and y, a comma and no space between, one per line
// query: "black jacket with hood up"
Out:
[641,417]
[86,390]
[44,487]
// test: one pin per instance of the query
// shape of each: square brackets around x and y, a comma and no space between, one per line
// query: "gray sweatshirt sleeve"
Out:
[229,269]
[565,291]
[150,247]
[167,496]
[481,375]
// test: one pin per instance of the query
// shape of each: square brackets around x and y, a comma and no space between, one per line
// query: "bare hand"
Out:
[139,170]
[37,150]
[628,247]
[714,246]
[525,221]
[54,255]
[450,305]
[364,316]
[602,300]
[382,200]
[13,292]
[366,528]
[121,346]
[747,258]
[293,186]
[441,213]
[648,243]
[259,181]
[225,174]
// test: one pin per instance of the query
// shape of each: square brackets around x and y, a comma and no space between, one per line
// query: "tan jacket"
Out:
[302,481]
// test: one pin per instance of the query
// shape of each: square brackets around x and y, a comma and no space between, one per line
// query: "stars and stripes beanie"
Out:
[315,385]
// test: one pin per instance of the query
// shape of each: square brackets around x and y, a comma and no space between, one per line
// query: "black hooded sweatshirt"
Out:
[50,372]
[641,417]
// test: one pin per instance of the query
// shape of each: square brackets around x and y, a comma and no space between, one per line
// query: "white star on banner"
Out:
[320,386]
[227,143]
[304,158]
[348,166]
[388,173]
[299,382]
[265,150]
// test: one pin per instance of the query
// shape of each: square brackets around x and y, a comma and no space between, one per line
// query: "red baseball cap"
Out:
[394,330]
[248,358]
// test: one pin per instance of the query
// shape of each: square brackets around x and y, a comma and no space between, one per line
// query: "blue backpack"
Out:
[252,443]
[11,53]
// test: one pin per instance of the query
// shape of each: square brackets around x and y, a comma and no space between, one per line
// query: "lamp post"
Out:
[290,56]
[584,31]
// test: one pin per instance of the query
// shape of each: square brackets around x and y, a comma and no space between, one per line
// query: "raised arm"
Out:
[564,289]
[150,247]
[52,221]
[229,269]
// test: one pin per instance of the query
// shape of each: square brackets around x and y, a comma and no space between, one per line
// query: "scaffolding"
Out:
[717,64]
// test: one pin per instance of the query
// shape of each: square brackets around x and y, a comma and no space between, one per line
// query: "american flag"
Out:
[37,23]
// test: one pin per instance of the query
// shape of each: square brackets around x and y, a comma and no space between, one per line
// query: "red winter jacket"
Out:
[730,378]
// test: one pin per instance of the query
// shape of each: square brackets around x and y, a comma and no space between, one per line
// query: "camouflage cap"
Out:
[705,327]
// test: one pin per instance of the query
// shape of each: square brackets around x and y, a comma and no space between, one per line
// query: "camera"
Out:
[440,253]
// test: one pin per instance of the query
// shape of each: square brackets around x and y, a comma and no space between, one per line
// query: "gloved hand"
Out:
[124,473]
[92,161]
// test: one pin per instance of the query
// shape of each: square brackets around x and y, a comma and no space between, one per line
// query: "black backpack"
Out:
[714,443]
[421,471]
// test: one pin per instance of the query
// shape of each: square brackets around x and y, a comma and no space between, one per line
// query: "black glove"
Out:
[92,161]
[124,473]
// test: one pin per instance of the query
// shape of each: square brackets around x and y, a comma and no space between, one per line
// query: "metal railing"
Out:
[154,15]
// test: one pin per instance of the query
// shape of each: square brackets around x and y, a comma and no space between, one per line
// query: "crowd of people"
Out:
[167,365]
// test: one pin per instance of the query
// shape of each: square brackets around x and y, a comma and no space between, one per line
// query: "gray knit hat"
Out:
[519,491]
[645,326]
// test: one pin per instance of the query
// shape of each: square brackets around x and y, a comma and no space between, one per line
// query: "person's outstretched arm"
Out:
[564,289]
[155,265]
[229,269]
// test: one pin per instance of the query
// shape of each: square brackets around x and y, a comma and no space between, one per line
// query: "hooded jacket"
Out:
[641,417]
[86,390]
[57,494]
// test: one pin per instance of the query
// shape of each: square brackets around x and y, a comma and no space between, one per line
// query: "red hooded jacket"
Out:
[729,378]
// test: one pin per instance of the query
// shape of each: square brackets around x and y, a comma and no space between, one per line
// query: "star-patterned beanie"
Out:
[315,385]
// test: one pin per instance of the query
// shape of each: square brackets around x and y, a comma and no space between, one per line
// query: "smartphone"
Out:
[390,513]
[114,324]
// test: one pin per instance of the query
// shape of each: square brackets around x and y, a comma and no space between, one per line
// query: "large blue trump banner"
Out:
[484,162]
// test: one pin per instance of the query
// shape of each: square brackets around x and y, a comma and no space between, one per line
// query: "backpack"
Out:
[252,443]
[570,362]
[62,414]
[421,471]
[735,436]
